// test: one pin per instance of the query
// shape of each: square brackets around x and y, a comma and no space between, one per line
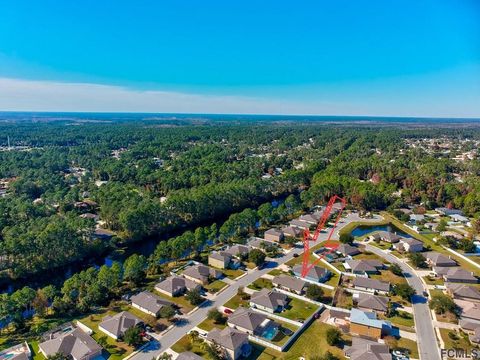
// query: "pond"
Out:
[366,229]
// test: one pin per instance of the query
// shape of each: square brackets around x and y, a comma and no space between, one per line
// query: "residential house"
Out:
[369,302]
[469,310]
[116,325]
[269,300]
[417,218]
[273,234]
[463,292]
[17,352]
[387,236]
[347,250]
[447,212]
[251,322]
[149,303]
[259,243]
[238,251]
[201,274]
[289,283]
[409,245]
[292,231]
[300,224]
[365,349]
[363,267]
[436,259]
[219,259]
[176,286]
[233,342]
[315,274]
[459,218]
[102,234]
[371,285]
[74,343]
[309,219]
[455,274]
[363,323]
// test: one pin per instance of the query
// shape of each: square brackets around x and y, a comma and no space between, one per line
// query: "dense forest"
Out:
[63,181]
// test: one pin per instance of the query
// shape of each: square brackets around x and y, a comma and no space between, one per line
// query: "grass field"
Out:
[261,284]
[185,344]
[455,339]
[402,319]
[299,310]
[208,325]
[215,286]
[236,302]
[388,276]
[407,344]
[233,274]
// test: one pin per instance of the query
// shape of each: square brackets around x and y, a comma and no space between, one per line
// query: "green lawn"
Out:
[236,302]
[261,283]
[185,344]
[233,274]
[382,245]
[36,354]
[277,272]
[388,276]
[208,325]
[313,342]
[431,280]
[343,299]
[299,310]
[455,339]
[402,319]
[410,345]
[215,286]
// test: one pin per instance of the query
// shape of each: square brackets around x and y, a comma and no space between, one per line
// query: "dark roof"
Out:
[347,249]
[364,349]
[149,301]
[120,323]
[373,302]
[371,284]
[289,282]
[465,291]
[269,298]
[76,343]
[228,338]
[316,272]
[246,319]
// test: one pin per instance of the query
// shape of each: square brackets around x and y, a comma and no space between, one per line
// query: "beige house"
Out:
[74,343]
[233,342]
[219,259]
[274,235]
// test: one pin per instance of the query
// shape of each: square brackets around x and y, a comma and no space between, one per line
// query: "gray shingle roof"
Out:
[174,284]
[465,291]
[120,323]
[371,284]
[75,343]
[364,349]
[373,302]
[269,298]
[237,250]
[201,272]
[188,356]
[149,301]
[439,259]
[347,249]
[316,272]
[246,319]
[364,265]
[228,338]
[289,282]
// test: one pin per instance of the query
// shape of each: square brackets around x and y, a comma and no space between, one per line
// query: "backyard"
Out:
[299,310]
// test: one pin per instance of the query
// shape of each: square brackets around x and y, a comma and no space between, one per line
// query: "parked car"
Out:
[227,311]
[295,255]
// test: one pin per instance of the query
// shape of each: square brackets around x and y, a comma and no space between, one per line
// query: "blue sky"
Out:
[381,57]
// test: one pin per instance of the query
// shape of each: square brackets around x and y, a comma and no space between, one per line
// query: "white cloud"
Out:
[27,95]
[31,95]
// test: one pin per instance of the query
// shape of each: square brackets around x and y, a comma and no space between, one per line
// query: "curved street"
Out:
[428,347]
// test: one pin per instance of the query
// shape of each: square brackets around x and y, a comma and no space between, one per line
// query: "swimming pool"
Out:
[270,332]
[366,229]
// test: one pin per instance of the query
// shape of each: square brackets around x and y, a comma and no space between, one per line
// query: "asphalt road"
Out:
[426,339]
